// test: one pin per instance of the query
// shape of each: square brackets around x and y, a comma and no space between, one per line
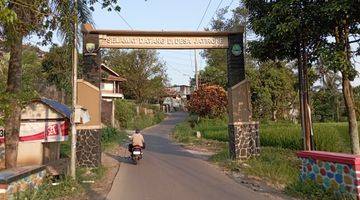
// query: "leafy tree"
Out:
[342,23]
[326,97]
[17,20]
[57,69]
[300,30]
[357,100]
[289,30]
[215,71]
[32,78]
[145,73]
[208,101]
[273,93]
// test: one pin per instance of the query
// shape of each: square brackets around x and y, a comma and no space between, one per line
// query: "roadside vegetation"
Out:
[64,186]
[277,164]
[130,115]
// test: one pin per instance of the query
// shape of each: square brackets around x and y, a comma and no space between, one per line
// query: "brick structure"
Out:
[336,171]
[88,152]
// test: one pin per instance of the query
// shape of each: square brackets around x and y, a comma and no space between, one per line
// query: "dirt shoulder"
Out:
[206,149]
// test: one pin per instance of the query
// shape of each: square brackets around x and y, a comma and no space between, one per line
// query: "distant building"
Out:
[176,97]
[111,89]
[182,90]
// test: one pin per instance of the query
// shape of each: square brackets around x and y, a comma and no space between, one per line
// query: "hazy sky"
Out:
[164,15]
[167,15]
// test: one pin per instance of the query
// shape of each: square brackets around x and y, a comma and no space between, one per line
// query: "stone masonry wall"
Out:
[244,139]
[88,148]
[30,181]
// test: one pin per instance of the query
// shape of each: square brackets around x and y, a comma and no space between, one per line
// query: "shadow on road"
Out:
[121,159]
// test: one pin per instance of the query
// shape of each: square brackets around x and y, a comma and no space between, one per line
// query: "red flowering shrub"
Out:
[208,101]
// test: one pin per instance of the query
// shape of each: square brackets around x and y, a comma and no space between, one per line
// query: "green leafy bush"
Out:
[311,191]
[183,132]
[67,186]
[208,101]
[125,112]
[111,136]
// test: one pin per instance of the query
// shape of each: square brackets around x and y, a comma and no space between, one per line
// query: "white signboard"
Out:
[163,42]
[41,131]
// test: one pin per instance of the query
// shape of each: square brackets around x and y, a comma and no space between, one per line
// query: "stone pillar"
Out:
[88,141]
[243,133]
[88,148]
[246,141]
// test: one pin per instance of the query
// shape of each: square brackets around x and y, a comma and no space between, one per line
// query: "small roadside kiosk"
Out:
[44,124]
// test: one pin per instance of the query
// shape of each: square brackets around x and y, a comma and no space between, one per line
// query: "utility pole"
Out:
[196,72]
[74,95]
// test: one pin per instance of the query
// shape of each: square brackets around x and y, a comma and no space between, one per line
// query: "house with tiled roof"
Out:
[111,88]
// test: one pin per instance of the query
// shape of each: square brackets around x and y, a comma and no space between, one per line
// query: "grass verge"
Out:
[277,164]
[65,187]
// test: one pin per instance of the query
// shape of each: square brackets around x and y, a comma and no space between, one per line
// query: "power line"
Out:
[195,60]
[202,18]
[217,8]
[232,1]
[117,12]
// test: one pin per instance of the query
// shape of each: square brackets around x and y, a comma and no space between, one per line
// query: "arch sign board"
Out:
[159,39]
[163,42]
[238,90]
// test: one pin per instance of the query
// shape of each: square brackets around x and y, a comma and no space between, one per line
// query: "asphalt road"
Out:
[168,172]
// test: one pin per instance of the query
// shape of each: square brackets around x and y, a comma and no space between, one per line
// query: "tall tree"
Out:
[288,30]
[17,20]
[273,90]
[342,23]
[29,18]
[145,73]
[57,69]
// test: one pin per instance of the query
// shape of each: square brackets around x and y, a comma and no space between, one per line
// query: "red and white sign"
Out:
[41,131]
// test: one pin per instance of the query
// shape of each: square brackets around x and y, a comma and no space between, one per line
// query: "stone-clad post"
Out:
[243,133]
[88,145]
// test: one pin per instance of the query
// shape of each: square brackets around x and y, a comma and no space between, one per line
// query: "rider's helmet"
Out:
[137,130]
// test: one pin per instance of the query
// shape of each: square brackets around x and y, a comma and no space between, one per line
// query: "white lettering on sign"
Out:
[163,42]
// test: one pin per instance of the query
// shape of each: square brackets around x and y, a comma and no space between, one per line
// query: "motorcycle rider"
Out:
[137,139]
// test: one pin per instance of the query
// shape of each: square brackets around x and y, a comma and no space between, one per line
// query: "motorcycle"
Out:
[136,154]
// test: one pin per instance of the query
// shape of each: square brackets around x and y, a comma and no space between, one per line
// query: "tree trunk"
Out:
[353,126]
[12,117]
[342,40]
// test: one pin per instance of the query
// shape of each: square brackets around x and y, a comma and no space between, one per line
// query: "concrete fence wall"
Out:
[335,171]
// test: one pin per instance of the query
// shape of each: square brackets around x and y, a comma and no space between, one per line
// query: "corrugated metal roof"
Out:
[59,107]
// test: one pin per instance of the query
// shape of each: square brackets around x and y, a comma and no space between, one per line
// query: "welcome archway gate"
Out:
[243,132]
